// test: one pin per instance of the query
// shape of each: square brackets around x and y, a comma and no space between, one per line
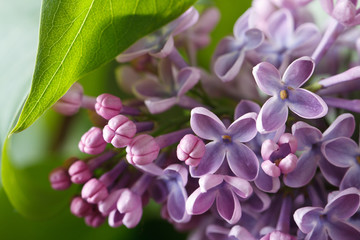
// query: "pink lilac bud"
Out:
[59,179]
[70,103]
[288,163]
[267,148]
[119,131]
[130,204]
[79,172]
[190,149]
[95,219]
[290,139]
[79,207]
[270,168]
[108,105]
[92,142]
[94,191]
[142,150]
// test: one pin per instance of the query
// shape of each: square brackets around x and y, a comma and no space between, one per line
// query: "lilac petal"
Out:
[228,65]
[343,126]
[240,233]
[211,161]
[214,232]
[342,230]
[281,27]
[305,39]
[244,128]
[266,183]
[241,25]
[299,72]
[340,151]
[239,186]
[225,46]
[306,104]
[304,171]
[305,134]
[210,181]
[351,178]
[228,206]
[259,201]
[148,88]
[158,105]
[133,218]
[164,49]
[115,218]
[199,202]
[246,106]
[272,116]
[166,74]
[267,78]
[331,173]
[186,20]
[187,78]
[253,38]
[242,161]
[318,233]
[141,47]
[205,124]
[328,5]
[176,203]
[208,20]
[345,204]
[306,217]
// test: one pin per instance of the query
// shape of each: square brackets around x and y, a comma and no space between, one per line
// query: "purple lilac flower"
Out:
[286,92]
[237,232]
[170,187]
[170,89]
[344,11]
[263,181]
[161,42]
[330,222]
[71,102]
[310,141]
[225,143]
[225,190]
[343,152]
[230,52]
[285,41]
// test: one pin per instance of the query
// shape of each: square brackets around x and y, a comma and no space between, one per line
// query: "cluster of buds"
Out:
[221,165]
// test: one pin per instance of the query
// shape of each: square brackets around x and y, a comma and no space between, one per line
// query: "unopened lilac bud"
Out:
[94,191]
[270,168]
[288,164]
[79,172]
[95,219]
[59,179]
[128,201]
[290,139]
[267,148]
[108,105]
[119,131]
[109,204]
[142,150]
[79,207]
[92,142]
[70,103]
[190,149]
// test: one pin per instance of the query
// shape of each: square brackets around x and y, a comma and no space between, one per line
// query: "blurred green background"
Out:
[35,152]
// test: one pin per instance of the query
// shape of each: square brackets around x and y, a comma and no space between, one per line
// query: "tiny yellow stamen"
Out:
[283,94]
[226,137]
[277,162]
[358,159]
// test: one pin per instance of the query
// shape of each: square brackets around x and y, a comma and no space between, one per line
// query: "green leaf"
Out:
[77,37]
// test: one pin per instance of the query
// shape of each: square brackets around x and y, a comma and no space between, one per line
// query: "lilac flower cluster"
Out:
[250,176]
